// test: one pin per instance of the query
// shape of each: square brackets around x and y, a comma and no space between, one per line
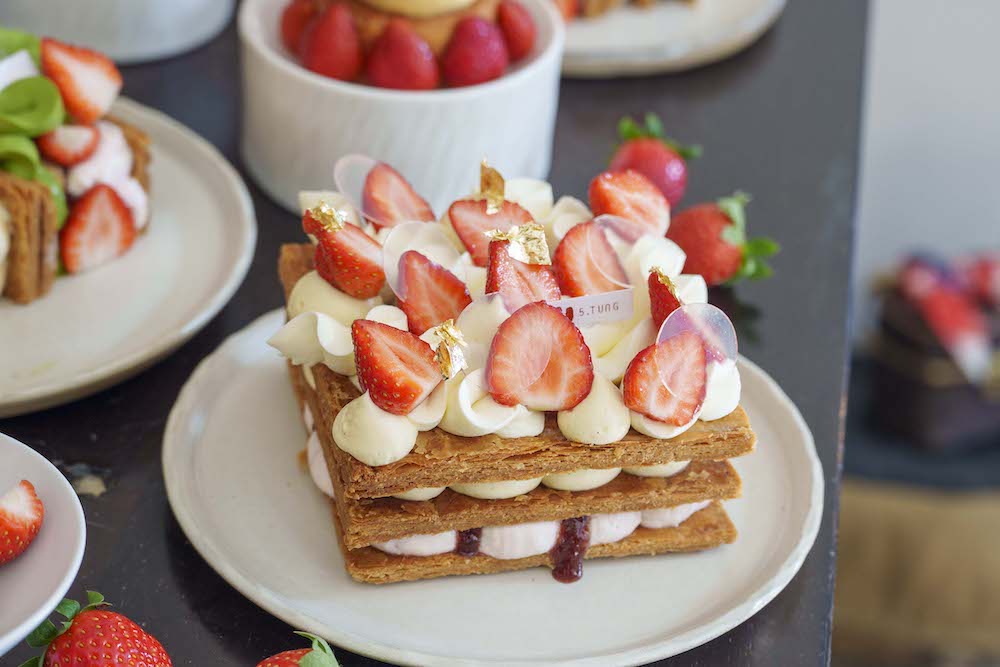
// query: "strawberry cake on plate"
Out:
[516,383]
[74,182]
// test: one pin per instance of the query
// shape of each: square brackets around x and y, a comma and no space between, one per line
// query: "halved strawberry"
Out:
[68,145]
[395,367]
[99,228]
[21,516]
[470,221]
[630,195]
[539,359]
[389,199]
[87,80]
[678,361]
[518,28]
[294,18]
[433,293]
[518,283]
[585,263]
[662,296]
[347,258]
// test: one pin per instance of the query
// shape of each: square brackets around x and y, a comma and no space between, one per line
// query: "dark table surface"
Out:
[780,120]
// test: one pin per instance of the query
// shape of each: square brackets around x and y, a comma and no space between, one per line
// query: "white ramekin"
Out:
[129,31]
[296,124]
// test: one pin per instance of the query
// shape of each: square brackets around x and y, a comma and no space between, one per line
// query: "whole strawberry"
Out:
[294,19]
[714,238]
[400,59]
[476,53]
[330,44]
[320,655]
[95,637]
[662,160]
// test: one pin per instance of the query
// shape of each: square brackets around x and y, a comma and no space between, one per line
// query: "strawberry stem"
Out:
[652,128]
[755,251]
[321,655]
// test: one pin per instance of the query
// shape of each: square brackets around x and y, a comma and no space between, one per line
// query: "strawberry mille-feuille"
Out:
[477,404]
[74,181]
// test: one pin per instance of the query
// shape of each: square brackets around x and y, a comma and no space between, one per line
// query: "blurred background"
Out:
[918,577]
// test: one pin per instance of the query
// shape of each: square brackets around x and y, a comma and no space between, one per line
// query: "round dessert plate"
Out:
[230,459]
[32,584]
[100,327]
[669,36]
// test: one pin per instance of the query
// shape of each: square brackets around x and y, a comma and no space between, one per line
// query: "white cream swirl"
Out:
[600,418]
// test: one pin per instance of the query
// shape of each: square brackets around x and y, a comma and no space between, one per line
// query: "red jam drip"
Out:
[567,554]
[467,542]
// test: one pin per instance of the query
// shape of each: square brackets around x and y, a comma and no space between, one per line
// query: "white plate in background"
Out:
[103,326]
[32,584]
[669,36]
[237,489]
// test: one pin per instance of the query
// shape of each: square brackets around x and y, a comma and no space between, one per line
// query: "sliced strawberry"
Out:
[517,282]
[21,515]
[630,195]
[395,367]
[539,359]
[678,361]
[470,221]
[518,28]
[68,145]
[87,80]
[389,199]
[433,293]
[294,20]
[99,228]
[662,296]
[347,258]
[585,263]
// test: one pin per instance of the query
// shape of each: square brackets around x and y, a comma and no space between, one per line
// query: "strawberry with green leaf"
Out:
[94,636]
[662,160]
[319,655]
[714,237]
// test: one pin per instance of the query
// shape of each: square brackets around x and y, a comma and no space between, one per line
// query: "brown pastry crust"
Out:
[34,246]
[369,520]
[441,459]
[709,528]
[435,30]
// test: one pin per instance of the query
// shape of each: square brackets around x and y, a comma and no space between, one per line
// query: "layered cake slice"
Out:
[506,412]
[74,182]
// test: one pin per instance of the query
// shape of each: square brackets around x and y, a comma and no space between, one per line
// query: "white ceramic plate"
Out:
[669,36]
[236,487]
[33,584]
[100,327]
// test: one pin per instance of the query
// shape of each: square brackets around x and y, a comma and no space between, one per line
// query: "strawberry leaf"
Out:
[68,608]
[33,662]
[629,129]
[321,654]
[734,206]
[762,247]
[43,634]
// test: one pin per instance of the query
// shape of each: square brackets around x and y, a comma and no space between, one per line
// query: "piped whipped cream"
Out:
[613,363]
[580,480]
[520,540]
[611,528]
[671,517]
[311,198]
[307,418]
[420,545]
[479,323]
[536,197]
[497,490]
[317,465]
[111,164]
[420,495]
[599,419]
[313,294]
[471,411]
[372,435]
[665,470]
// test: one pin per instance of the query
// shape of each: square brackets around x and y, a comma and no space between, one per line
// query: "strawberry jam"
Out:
[467,542]
[567,554]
